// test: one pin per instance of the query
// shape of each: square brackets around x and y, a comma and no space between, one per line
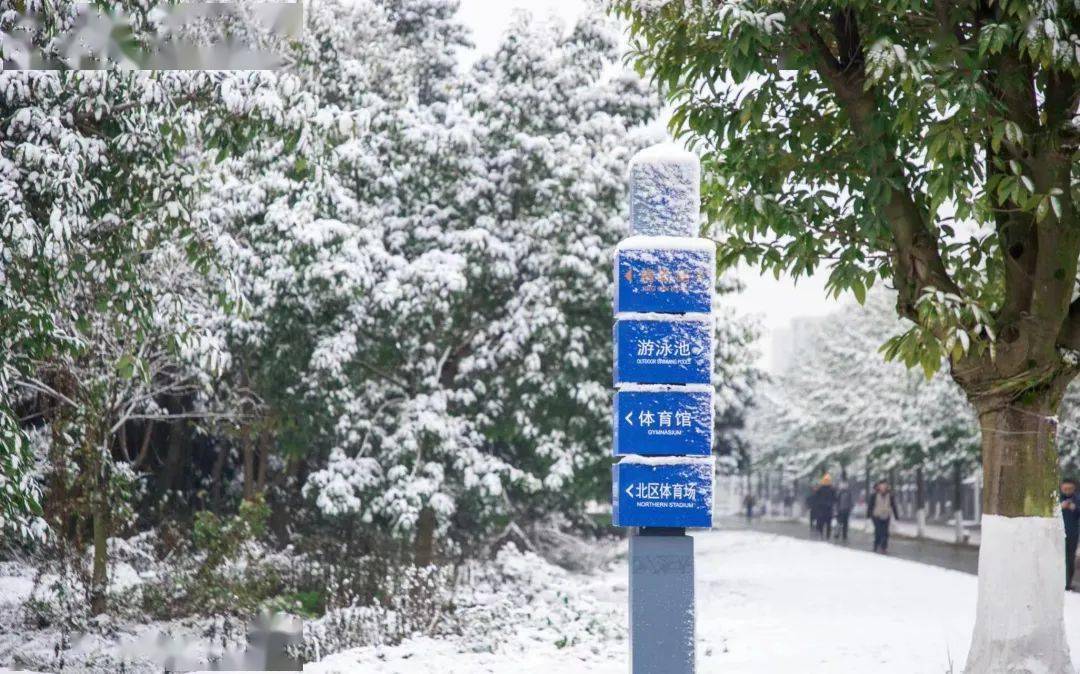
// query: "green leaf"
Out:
[1042,209]
[859,289]
[125,367]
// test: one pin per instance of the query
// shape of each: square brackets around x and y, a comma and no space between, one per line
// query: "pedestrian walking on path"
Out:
[844,502]
[748,504]
[824,502]
[1070,512]
[880,509]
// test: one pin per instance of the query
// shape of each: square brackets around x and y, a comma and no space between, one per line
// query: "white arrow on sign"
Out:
[628,490]
[628,415]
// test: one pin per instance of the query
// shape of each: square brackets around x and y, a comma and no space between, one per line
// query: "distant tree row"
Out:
[841,406]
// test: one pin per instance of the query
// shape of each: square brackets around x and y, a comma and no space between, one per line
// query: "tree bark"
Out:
[175,457]
[1019,623]
[249,465]
[920,503]
[144,449]
[958,502]
[867,485]
[424,546]
[216,472]
[264,461]
[1019,454]
[99,577]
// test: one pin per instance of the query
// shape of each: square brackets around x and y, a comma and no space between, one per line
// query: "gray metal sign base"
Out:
[661,601]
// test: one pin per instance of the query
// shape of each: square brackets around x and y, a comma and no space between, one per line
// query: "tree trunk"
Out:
[1019,624]
[424,546]
[144,449]
[176,456]
[99,577]
[264,461]
[958,502]
[216,472]
[249,465]
[920,503]
[867,488]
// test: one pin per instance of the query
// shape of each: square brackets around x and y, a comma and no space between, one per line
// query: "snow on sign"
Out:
[665,274]
[665,191]
[659,349]
[659,420]
[662,492]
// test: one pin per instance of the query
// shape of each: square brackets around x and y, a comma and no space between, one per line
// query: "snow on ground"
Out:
[765,604]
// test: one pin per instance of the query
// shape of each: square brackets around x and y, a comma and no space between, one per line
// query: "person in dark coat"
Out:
[881,508]
[845,500]
[824,502]
[1070,512]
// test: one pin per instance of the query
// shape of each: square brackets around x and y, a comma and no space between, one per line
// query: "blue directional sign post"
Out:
[663,420]
[659,349]
[663,406]
[664,274]
[678,491]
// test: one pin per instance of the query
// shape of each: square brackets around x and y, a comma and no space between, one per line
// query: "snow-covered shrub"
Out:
[521,597]
[225,570]
[509,602]
[414,600]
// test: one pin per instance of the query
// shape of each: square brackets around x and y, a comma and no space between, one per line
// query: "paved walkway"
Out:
[928,551]
[945,533]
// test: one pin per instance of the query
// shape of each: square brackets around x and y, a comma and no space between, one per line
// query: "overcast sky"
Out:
[774,302]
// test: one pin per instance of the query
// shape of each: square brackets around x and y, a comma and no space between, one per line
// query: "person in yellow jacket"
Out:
[824,500]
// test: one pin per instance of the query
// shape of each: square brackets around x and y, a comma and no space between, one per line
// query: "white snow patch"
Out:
[665,153]
[15,589]
[662,388]
[669,460]
[667,318]
[646,242]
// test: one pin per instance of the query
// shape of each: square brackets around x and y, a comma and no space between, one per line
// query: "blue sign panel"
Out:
[656,351]
[663,421]
[665,280]
[670,492]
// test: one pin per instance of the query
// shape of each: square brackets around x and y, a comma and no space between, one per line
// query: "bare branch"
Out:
[41,387]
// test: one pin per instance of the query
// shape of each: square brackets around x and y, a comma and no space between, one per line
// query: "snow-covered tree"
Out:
[103,263]
[388,279]
[428,270]
[841,403]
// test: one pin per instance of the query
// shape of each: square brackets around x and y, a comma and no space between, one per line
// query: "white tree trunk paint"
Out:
[1019,620]
[920,522]
[958,519]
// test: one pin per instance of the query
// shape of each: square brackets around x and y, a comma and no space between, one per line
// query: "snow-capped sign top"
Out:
[665,191]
